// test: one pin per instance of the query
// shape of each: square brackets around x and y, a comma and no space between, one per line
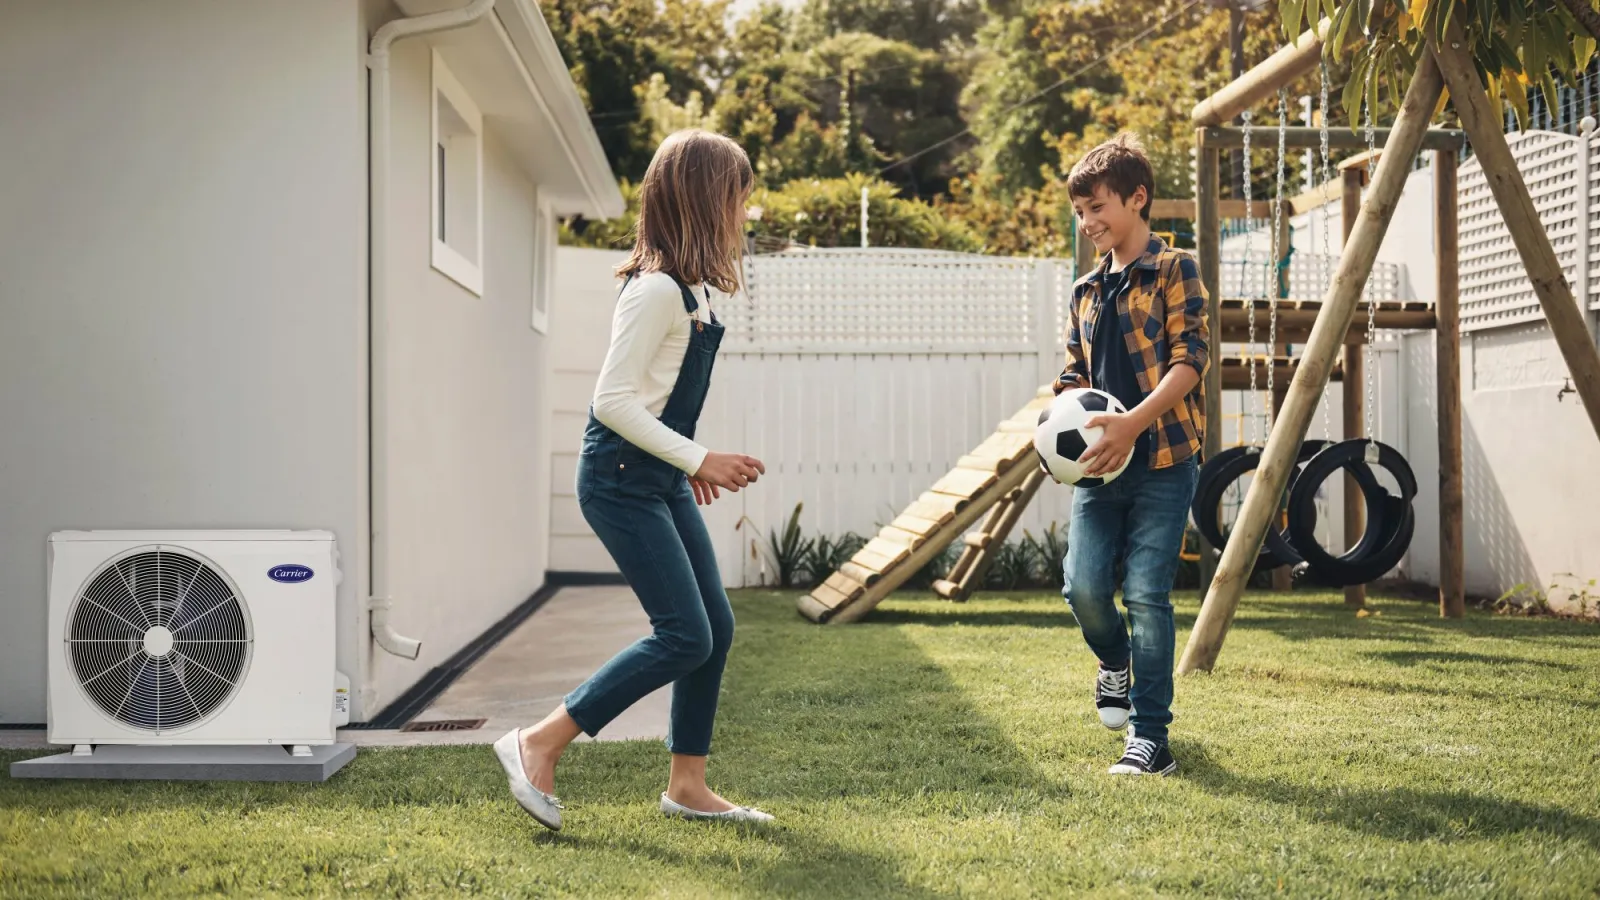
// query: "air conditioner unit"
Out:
[194,638]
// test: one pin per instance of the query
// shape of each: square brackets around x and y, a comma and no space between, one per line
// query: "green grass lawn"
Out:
[941,750]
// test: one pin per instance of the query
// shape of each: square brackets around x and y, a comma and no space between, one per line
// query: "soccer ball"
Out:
[1062,437]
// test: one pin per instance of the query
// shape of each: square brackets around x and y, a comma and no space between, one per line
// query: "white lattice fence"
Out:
[1495,290]
[1309,274]
[895,300]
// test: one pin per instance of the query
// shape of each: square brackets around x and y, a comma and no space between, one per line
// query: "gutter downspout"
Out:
[379,603]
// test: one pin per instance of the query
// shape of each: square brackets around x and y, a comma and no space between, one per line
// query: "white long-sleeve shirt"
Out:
[649,337]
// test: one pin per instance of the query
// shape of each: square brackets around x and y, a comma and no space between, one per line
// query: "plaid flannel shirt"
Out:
[1163,319]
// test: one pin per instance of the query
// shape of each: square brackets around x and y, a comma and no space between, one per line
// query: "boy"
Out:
[1136,330]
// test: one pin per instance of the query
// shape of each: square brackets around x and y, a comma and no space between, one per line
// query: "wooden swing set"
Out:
[991,486]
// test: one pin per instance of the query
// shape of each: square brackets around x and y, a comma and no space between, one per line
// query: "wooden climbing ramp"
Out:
[993,484]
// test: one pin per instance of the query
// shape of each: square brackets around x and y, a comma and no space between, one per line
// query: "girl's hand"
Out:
[704,492]
[1114,446]
[730,471]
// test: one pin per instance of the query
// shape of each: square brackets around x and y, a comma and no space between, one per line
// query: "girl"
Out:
[641,475]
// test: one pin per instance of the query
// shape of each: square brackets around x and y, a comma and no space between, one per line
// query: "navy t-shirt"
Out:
[1111,369]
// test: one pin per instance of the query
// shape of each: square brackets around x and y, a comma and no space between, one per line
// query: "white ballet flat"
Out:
[744,815]
[545,808]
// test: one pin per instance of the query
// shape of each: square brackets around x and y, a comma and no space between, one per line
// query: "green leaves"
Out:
[1516,45]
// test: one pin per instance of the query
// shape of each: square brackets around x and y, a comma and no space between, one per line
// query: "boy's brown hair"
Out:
[1121,165]
[691,211]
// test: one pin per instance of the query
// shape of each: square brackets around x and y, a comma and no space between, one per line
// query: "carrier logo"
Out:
[290,574]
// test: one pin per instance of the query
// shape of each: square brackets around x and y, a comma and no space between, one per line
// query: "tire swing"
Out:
[1219,475]
[1225,469]
[1391,521]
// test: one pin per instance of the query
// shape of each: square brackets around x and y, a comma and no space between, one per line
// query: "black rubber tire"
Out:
[1218,474]
[1391,522]
[1278,541]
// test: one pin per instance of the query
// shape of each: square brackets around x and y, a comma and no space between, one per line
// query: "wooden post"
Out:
[1082,253]
[1311,376]
[1447,350]
[1482,123]
[1282,576]
[1263,79]
[1353,385]
[1208,238]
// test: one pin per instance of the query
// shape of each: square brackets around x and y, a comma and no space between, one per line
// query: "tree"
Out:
[891,99]
[1513,44]
[612,47]
[926,24]
[1015,119]
[827,213]
[1025,222]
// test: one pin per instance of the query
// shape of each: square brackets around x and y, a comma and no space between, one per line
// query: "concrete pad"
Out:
[190,763]
[529,672]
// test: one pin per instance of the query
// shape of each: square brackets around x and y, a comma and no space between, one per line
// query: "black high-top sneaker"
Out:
[1142,756]
[1111,697]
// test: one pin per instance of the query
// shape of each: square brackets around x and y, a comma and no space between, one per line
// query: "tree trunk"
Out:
[1586,16]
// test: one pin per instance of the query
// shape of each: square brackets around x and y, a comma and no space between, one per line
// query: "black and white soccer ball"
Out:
[1062,437]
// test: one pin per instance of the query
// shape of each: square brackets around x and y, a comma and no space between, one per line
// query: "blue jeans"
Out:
[1137,522]
[644,512]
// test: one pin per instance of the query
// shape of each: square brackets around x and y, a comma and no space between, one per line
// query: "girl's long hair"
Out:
[691,211]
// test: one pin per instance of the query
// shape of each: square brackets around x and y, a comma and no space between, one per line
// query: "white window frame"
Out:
[545,239]
[447,260]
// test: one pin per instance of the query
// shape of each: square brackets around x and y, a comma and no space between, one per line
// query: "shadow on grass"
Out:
[1396,813]
[1310,619]
[1411,658]
[944,612]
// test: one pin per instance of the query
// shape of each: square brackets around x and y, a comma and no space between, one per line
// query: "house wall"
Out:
[585,298]
[468,451]
[183,290]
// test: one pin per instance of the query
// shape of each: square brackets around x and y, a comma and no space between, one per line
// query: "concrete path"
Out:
[527,674]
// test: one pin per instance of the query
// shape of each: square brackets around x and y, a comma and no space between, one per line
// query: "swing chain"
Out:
[1327,179]
[1249,295]
[1278,251]
[1371,455]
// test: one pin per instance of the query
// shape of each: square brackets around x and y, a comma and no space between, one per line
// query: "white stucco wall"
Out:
[585,298]
[469,442]
[181,286]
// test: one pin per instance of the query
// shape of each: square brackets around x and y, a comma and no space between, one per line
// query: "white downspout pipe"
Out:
[380,603]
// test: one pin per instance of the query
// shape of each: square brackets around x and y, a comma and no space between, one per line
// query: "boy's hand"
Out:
[1114,446]
[1069,381]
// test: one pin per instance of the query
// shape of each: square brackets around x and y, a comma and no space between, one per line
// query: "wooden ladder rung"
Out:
[857,573]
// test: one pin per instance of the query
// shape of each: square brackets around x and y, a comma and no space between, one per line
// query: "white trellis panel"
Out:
[1495,290]
[1591,249]
[1309,275]
[831,300]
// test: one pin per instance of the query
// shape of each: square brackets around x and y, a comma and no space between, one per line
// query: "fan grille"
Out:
[159,639]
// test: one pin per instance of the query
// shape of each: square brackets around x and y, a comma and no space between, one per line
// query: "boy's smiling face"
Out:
[1106,219]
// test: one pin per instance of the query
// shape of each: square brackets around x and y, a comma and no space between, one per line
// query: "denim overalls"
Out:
[643,510]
